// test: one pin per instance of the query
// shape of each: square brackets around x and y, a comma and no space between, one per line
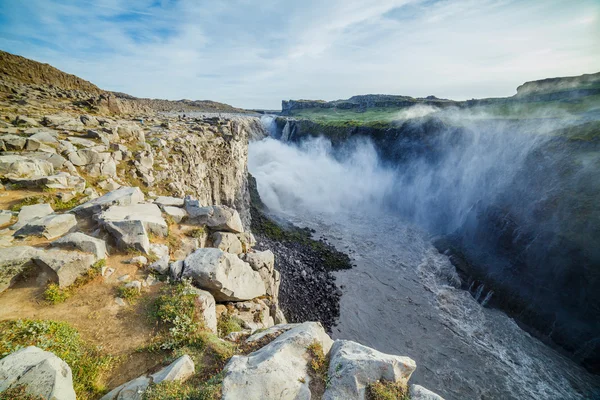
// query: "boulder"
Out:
[218,218]
[68,265]
[129,234]
[51,226]
[56,160]
[161,265]
[278,370]
[5,217]
[23,121]
[179,370]
[13,166]
[148,214]
[417,392]
[88,156]
[12,142]
[224,275]
[48,137]
[176,213]
[41,372]
[13,260]
[352,367]
[82,242]
[60,181]
[123,196]
[30,213]
[254,315]
[227,242]
[176,269]
[264,263]
[169,201]
[206,306]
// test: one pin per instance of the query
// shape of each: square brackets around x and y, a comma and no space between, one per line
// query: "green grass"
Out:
[27,201]
[131,294]
[87,362]
[182,332]
[319,366]
[386,390]
[339,116]
[196,233]
[227,324]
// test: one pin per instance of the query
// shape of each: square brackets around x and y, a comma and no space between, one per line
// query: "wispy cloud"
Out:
[253,54]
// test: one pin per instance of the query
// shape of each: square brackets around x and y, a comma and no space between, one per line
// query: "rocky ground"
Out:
[128,269]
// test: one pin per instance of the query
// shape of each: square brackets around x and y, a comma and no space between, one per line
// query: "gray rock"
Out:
[13,260]
[224,275]
[59,181]
[148,214]
[169,201]
[159,250]
[135,284]
[139,261]
[5,217]
[12,142]
[21,167]
[264,263]
[123,196]
[82,242]
[51,226]
[176,213]
[420,393]
[41,372]
[279,370]
[179,370]
[30,213]
[176,269]
[56,160]
[67,265]
[24,121]
[161,265]
[352,367]
[219,218]
[49,137]
[227,242]
[205,304]
[129,234]
[79,141]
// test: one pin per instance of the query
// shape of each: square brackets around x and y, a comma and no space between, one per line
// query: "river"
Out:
[403,296]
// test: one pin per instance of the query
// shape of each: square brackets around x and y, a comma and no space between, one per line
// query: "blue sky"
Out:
[253,54]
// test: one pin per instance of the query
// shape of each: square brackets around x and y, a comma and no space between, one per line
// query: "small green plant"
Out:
[175,309]
[319,366]
[60,205]
[387,390]
[87,362]
[27,201]
[54,294]
[196,233]
[130,293]
[227,324]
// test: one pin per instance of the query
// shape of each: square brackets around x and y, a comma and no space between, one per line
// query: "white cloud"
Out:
[253,54]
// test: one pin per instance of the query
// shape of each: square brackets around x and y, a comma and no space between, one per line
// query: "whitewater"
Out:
[403,297]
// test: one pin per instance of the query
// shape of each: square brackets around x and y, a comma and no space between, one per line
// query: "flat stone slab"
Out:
[82,242]
[51,226]
[176,213]
[30,213]
[68,265]
[41,372]
[218,218]
[123,196]
[13,166]
[13,261]
[169,201]
[223,274]
[149,214]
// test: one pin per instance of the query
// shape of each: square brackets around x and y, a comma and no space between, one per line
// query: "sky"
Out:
[253,54]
